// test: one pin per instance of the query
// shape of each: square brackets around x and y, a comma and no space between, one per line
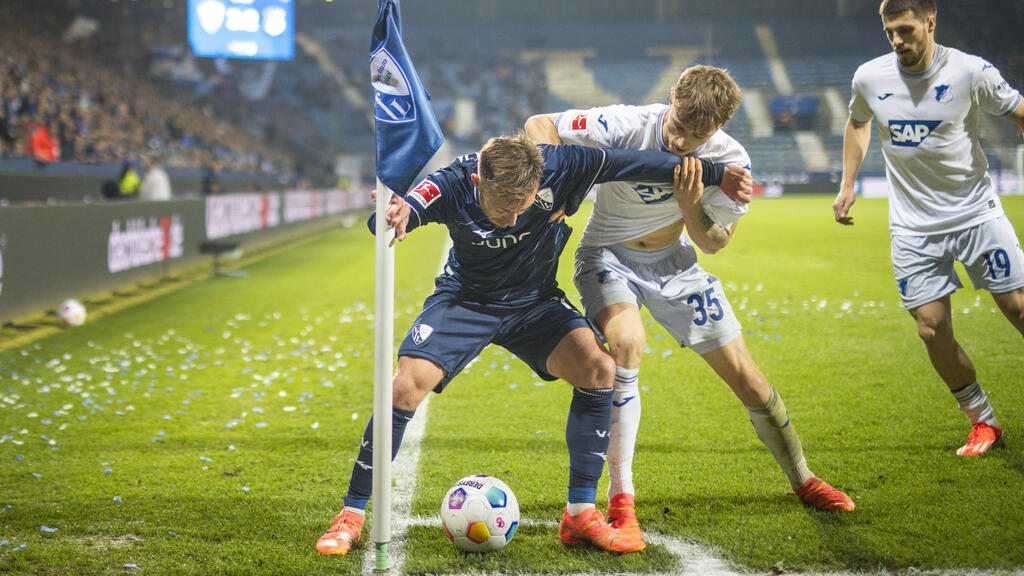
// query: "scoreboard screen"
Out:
[255,29]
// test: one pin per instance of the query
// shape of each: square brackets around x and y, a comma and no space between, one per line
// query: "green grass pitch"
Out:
[212,430]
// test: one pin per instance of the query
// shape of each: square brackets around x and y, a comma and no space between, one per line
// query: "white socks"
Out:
[772,425]
[974,402]
[625,423]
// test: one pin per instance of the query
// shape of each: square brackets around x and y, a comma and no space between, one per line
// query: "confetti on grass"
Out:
[48,529]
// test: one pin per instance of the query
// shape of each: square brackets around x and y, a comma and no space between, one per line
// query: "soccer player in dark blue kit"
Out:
[502,208]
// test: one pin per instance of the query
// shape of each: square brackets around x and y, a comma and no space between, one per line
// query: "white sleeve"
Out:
[598,127]
[992,93]
[860,111]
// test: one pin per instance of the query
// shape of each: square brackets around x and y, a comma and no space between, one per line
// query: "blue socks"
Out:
[360,486]
[587,432]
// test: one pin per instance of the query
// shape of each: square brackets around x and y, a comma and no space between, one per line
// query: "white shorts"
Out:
[682,297]
[990,253]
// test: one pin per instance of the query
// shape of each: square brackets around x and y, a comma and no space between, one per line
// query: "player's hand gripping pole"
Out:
[383,350]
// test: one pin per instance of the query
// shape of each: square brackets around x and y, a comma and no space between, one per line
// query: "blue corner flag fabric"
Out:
[407,132]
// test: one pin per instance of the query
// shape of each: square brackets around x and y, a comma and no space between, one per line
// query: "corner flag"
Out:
[407,131]
[407,137]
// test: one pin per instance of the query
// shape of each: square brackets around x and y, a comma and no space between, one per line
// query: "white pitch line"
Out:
[403,477]
[696,560]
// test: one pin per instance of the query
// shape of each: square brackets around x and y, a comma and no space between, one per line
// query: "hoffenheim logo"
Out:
[545,199]
[421,332]
[905,133]
[392,97]
[943,94]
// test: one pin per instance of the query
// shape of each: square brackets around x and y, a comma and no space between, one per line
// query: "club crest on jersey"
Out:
[579,122]
[421,332]
[392,97]
[545,199]
[425,193]
[911,133]
[943,94]
[652,194]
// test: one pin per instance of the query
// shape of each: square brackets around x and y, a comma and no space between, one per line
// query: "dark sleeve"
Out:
[651,166]
[428,202]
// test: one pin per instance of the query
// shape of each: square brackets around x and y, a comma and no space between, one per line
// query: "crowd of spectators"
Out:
[62,101]
[504,91]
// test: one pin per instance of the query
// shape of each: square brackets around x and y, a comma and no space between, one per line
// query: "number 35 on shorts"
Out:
[705,307]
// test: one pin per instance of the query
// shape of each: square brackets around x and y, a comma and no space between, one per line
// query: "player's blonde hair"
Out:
[705,98]
[510,166]
[921,8]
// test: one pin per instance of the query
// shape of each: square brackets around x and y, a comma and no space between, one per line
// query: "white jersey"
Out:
[928,126]
[627,210]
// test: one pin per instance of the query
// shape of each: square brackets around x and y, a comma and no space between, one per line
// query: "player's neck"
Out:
[925,62]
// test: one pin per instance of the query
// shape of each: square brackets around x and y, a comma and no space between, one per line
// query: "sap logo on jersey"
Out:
[425,193]
[579,122]
[545,199]
[911,133]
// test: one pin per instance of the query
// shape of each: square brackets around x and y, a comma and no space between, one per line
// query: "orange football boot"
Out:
[981,438]
[824,497]
[622,515]
[589,528]
[346,529]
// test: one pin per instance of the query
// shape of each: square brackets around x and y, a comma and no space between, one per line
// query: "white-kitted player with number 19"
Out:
[633,253]
[926,99]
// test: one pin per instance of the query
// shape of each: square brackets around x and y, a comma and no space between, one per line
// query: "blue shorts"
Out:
[451,331]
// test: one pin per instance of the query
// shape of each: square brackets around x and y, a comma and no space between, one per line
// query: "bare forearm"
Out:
[855,147]
[541,129]
[705,233]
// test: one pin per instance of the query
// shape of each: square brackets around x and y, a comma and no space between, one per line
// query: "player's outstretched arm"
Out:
[541,129]
[855,147]
[737,184]
[1017,116]
[397,215]
[688,188]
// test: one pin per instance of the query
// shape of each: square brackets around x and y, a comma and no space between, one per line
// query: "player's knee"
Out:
[1017,315]
[627,349]
[929,332]
[405,391]
[598,372]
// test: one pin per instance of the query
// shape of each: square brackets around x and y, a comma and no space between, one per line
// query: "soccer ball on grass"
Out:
[71,313]
[480,514]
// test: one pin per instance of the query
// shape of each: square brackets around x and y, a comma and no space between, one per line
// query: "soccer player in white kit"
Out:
[925,99]
[633,253]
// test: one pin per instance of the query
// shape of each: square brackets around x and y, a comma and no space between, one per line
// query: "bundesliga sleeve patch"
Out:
[426,193]
[579,122]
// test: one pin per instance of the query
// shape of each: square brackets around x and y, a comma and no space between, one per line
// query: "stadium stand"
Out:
[131,87]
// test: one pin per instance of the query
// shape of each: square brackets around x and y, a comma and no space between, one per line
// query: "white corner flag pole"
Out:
[383,350]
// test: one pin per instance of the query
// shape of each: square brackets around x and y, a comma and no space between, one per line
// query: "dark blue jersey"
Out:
[516,264]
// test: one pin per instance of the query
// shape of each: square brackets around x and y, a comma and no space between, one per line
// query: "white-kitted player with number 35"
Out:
[926,99]
[633,253]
